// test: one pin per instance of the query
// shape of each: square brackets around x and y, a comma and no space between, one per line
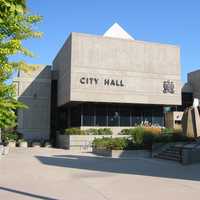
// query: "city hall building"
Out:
[100,81]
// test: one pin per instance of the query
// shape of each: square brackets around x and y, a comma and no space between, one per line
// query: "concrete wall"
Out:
[34,89]
[141,66]
[62,64]
[194,82]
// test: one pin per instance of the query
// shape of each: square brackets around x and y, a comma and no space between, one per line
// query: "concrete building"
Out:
[101,81]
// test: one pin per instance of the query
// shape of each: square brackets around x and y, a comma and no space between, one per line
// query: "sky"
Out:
[173,22]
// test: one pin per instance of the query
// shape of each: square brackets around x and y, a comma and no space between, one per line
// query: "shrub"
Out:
[118,143]
[101,143]
[74,131]
[137,134]
[99,131]
[104,131]
[110,143]
[167,131]
[153,130]
[9,136]
[126,131]
[91,131]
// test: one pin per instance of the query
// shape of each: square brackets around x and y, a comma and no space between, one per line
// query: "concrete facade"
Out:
[99,69]
[194,83]
[34,89]
[138,68]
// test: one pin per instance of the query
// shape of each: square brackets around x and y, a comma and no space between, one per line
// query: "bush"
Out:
[137,134]
[99,131]
[167,131]
[110,143]
[9,136]
[153,130]
[126,131]
[117,144]
[74,131]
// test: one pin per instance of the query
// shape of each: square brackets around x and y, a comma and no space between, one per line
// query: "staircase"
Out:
[170,153]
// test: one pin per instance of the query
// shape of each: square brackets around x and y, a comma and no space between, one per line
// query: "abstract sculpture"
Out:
[191,121]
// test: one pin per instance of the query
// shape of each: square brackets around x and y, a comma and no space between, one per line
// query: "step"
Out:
[171,151]
[167,157]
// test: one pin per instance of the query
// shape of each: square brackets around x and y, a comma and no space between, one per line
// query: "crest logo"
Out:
[168,87]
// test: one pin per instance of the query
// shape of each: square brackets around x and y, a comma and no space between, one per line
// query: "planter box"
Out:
[47,145]
[36,144]
[6,150]
[123,153]
[12,144]
[1,150]
[80,142]
[23,144]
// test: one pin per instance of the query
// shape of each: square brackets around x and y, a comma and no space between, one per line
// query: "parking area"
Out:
[47,173]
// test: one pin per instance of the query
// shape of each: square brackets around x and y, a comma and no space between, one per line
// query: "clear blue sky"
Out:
[172,21]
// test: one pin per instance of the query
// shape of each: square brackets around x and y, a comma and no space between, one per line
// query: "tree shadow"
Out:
[145,167]
[26,194]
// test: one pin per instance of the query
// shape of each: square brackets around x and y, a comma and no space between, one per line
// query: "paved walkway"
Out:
[39,173]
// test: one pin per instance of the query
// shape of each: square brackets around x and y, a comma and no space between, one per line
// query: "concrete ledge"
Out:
[190,156]
[123,153]
[80,142]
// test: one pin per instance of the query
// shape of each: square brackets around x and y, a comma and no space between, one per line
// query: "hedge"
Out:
[92,131]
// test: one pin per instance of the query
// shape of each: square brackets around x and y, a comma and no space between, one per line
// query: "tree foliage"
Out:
[16,25]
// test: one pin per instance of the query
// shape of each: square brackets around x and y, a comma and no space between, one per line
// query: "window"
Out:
[113,116]
[125,116]
[88,115]
[101,115]
[136,117]
[147,115]
[76,116]
[157,118]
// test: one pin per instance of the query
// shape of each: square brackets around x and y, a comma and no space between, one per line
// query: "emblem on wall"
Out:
[168,87]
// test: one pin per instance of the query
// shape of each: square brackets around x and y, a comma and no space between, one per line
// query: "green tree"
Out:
[16,25]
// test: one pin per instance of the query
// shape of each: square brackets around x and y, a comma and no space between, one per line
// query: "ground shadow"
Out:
[146,167]
[26,194]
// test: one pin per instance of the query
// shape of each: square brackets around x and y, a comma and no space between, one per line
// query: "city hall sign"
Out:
[106,81]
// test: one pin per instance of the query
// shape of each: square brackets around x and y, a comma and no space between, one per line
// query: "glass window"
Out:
[113,116]
[101,115]
[136,117]
[147,115]
[88,115]
[157,118]
[125,116]
[76,116]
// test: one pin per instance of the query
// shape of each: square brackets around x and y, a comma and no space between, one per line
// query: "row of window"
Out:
[106,115]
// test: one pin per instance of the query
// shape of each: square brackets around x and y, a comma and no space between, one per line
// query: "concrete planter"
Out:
[80,142]
[1,150]
[6,150]
[36,144]
[47,145]
[23,144]
[12,144]
[123,153]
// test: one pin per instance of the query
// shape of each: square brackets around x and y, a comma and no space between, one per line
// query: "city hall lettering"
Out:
[106,82]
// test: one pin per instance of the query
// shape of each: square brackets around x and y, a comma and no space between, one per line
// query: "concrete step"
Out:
[170,153]
[167,157]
